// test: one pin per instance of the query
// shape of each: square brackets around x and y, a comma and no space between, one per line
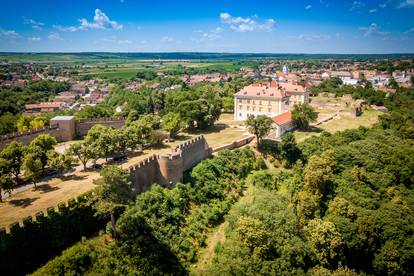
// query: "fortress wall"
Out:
[193,151]
[235,144]
[26,137]
[171,169]
[83,126]
[145,173]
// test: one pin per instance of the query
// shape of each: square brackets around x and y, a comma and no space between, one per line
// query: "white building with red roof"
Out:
[260,99]
[270,99]
[282,123]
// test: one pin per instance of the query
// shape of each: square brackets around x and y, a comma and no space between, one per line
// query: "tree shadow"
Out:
[24,202]
[216,128]
[46,188]
[75,177]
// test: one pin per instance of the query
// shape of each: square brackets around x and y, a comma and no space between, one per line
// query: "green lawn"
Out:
[367,119]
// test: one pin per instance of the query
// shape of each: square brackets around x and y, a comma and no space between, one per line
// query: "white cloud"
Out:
[247,24]
[410,31]
[8,33]
[308,7]
[166,39]
[372,10]
[372,29]
[35,24]
[100,21]
[357,5]
[313,37]
[33,38]
[383,5]
[406,4]
[54,36]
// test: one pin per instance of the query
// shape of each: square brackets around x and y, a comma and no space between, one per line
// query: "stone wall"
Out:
[62,130]
[26,137]
[84,125]
[168,168]
[235,144]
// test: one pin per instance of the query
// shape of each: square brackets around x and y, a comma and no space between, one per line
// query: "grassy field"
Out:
[342,122]
[56,190]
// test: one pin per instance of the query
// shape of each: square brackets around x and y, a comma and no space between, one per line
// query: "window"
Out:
[248,108]
[269,103]
[253,102]
[269,110]
[248,101]
[260,109]
[240,114]
[254,108]
[240,107]
[260,102]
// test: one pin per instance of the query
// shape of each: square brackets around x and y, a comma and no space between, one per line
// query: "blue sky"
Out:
[320,26]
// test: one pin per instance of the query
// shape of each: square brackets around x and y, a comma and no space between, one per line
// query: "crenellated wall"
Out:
[25,137]
[168,168]
[62,130]
[84,125]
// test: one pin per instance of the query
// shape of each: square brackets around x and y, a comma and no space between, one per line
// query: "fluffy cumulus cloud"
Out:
[247,24]
[308,7]
[373,29]
[406,4]
[35,24]
[100,21]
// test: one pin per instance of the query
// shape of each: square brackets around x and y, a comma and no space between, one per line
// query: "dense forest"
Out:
[343,205]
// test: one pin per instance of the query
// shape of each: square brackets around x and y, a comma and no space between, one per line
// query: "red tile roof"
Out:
[283,118]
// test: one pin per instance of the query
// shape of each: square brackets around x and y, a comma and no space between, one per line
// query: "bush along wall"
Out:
[39,238]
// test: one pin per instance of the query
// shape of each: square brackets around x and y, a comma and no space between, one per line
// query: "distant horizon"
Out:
[202,52]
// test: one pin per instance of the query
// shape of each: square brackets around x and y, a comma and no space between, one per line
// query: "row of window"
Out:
[253,102]
[254,108]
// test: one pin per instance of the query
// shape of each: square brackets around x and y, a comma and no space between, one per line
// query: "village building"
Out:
[43,107]
[270,99]
[281,124]
[260,99]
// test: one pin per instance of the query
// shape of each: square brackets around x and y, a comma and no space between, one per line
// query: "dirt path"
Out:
[208,253]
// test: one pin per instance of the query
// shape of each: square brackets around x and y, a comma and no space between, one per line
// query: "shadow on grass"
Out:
[24,202]
[216,128]
[77,177]
[46,188]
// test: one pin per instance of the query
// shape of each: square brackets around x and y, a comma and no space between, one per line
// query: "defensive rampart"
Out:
[63,128]
[25,137]
[169,168]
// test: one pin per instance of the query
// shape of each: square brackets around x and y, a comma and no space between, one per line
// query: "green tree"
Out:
[318,173]
[83,152]
[303,114]
[32,168]
[6,178]
[259,126]
[40,146]
[7,123]
[289,151]
[325,241]
[114,190]
[14,153]
[60,162]
[253,235]
[172,123]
